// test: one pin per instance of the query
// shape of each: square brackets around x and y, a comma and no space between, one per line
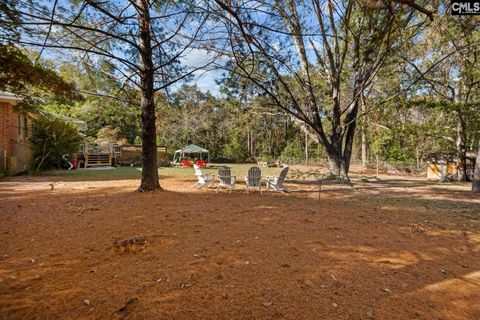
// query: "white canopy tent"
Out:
[190,150]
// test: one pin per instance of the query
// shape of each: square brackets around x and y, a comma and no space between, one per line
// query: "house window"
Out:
[22,127]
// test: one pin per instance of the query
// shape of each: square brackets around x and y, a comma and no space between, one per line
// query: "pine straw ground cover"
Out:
[400,248]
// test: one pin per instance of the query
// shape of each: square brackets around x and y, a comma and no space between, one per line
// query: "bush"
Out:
[164,163]
[394,154]
[234,151]
[265,158]
[51,139]
[107,134]
[293,149]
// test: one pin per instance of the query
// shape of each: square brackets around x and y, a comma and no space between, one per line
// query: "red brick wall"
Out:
[18,152]
[5,119]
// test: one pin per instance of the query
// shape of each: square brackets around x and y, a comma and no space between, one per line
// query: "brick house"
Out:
[15,127]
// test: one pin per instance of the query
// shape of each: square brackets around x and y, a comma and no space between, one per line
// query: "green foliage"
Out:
[234,151]
[293,150]
[51,139]
[114,109]
[265,158]
[316,151]
[388,146]
[18,74]
[8,19]
[160,141]
[394,154]
[108,134]
[227,127]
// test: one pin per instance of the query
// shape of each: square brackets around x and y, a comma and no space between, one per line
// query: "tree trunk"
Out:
[306,147]
[461,150]
[334,164]
[340,151]
[249,154]
[149,144]
[351,120]
[417,157]
[476,174]
[338,166]
[364,137]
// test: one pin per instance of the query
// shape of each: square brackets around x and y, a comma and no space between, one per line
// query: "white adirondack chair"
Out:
[226,180]
[204,180]
[254,179]
[276,182]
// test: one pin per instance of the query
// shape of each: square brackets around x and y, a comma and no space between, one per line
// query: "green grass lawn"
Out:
[125,173]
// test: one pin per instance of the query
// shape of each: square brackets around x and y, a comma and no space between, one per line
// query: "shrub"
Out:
[234,151]
[107,134]
[265,158]
[293,150]
[164,163]
[51,139]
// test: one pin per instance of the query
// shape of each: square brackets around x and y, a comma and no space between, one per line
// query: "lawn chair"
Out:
[277,181]
[226,180]
[204,180]
[202,163]
[186,164]
[254,179]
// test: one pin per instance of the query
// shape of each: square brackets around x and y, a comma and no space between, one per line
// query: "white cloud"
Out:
[204,77]
[195,58]
[206,81]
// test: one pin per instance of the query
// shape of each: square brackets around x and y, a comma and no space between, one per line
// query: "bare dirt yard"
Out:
[90,247]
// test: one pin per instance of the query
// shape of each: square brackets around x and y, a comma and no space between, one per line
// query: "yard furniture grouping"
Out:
[253,179]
